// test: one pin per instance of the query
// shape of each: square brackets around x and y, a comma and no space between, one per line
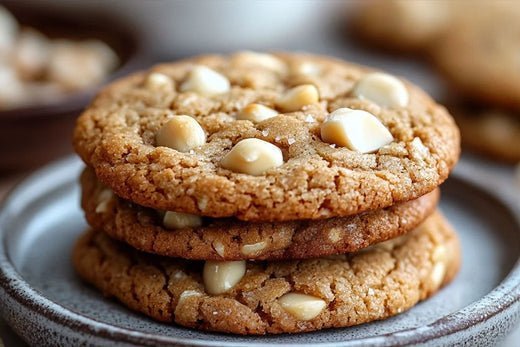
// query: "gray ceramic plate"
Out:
[47,304]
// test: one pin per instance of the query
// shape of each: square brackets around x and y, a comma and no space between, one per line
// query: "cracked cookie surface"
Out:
[376,283]
[116,136]
[232,239]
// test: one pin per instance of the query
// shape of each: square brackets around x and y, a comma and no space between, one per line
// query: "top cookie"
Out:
[268,137]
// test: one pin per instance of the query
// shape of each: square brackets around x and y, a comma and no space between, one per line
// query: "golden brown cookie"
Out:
[401,25]
[493,133]
[278,297]
[479,57]
[344,141]
[232,239]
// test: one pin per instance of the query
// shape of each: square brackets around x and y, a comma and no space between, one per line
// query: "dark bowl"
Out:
[33,135]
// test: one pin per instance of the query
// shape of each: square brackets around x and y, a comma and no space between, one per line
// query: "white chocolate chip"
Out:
[188,293]
[253,248]
[302,306]
[335,235]
[181,133]
[438,273]
[256,113]
[206,82]
[357,130]
[440,254]
[157,81]
[202,203]
[268,61]
[305,68]
[220,276]
[219,248]
[421,150]
[309,119]
[178,275]
[253,157]
[383,89]
[294,99]
[103,200]
[178,220]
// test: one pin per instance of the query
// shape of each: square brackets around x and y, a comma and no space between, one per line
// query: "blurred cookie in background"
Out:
[400,25]
[479,57]
[493,133]
[36,69]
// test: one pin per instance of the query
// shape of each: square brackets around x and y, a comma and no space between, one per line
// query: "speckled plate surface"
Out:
[46,304]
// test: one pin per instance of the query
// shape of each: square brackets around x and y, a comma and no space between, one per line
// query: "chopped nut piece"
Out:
[357,130]
[253,157]
[220,276]
[181,133]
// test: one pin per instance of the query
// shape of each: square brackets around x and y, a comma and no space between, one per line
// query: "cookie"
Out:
[478,57]
[267,138]
[278,297]
[493,133]
[400,25]
[231,239]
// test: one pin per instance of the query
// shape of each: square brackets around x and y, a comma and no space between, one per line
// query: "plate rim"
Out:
[503,296]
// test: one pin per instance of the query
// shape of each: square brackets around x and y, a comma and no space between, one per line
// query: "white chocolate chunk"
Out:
[103,200]
[253,248]
[181,133]
[220,276]
[188,293]
[438,273]
[206,82]
[302,306]
[440,254]
[357,130]
[383,89]
[305,68]
[256,113]
[335,235]
[253,157]
[157,81]
[268,61]
[219,248]
[294,99]
[178,220]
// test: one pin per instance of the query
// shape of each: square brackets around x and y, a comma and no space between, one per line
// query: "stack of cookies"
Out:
[260,193]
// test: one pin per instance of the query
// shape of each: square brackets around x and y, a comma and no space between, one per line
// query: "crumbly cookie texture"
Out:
[116,135]
[493,133]
[232,239]
[478,57]
[276,297]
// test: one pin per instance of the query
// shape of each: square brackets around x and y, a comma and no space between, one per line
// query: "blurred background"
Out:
[55,54]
